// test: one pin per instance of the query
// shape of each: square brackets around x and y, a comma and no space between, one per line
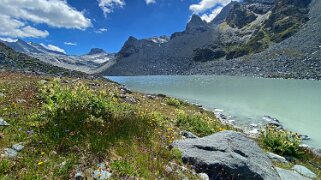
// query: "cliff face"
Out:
[240,30]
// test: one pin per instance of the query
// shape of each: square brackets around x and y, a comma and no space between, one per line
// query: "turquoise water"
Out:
[296,103]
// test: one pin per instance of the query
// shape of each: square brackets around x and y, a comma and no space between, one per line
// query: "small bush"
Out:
[173,102]
[196,124]
[72,106]
[281,142]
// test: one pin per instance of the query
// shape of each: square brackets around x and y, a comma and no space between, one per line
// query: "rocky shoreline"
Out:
[216,156]
[253,130]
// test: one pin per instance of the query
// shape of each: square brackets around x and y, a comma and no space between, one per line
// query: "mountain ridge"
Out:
[249,28]
[84,63]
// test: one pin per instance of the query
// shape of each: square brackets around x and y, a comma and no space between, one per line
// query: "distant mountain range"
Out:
[266,38]
[10,60]
[85,63]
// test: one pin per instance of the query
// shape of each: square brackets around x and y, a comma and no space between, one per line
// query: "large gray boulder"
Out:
[227,155]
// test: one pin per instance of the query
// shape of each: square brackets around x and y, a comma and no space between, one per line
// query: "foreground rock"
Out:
[10,153]
[227,155]
[304,171]
[3,123]
[288,175]
[277,158]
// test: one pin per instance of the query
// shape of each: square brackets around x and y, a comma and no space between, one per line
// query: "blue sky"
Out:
[76,26]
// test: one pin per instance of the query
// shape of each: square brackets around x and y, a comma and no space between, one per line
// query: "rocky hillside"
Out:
[297,56]
[255,37]
[15,61]
[84,63]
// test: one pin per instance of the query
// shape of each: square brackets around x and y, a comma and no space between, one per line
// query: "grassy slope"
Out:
[132,145]
[128,154]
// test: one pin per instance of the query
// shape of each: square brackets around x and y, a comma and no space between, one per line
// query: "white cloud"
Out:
[108,6]
[150,1]
[16,17]
[214,6]
[53,48]
[205,5]
[16,29]
[70,44]
[101,30]
[212,15]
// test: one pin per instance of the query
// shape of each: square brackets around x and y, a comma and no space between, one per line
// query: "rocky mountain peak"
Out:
[220,18]
[196,23]
[96,51]
[132,39]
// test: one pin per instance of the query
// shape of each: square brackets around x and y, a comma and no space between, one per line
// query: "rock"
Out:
[290,175]
[130,100]
[305,137]
[3,122]
[43,81]
[18,147]
[277,158]
[125,90]
[231,121]
[254,125]
[21,101]
[101,173]
[218,110]
[304,171]
[203,176]
[10,153]
[304,146]
[150,96]
[188,134]
[272,121]
[79,175]
[168,169]
[254,133]
[316,152]
[161,95]
[227,154]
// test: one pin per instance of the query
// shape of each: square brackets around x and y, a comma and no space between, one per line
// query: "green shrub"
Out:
[196,124]
[173,102]
[281,142]
[71,106]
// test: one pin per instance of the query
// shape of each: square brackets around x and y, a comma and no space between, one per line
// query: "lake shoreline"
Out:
[235,92]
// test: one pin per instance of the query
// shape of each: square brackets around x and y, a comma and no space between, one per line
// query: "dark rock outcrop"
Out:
[227,155]
[208,54]
[239,16]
